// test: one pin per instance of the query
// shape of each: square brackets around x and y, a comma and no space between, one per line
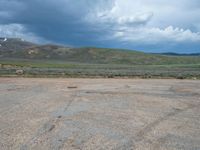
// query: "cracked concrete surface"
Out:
[99,114]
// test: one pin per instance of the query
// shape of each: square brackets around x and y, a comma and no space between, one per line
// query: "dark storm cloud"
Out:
[59,21]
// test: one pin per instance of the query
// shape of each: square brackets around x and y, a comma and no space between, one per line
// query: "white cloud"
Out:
[150,21]
[19,31]
[136,19]
[157,35]
[119,14]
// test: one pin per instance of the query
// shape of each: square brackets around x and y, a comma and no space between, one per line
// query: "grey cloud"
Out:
[96,22]
[60,21]
[19,31]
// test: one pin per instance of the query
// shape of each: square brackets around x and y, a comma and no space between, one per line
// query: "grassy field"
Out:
[54,68]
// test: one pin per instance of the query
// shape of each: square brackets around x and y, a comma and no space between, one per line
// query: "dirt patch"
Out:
[99,114]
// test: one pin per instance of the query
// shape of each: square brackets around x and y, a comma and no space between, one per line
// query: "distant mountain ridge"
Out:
[21,49]
[179,54]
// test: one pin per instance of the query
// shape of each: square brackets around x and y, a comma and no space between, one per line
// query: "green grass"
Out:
[64,64]
[97,56]
[55,68]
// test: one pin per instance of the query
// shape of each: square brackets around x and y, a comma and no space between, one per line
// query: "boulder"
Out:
[19,72]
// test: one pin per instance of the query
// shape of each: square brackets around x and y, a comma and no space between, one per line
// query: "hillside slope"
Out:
[18,49]
[14,44]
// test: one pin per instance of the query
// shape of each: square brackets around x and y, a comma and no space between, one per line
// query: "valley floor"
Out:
[97,114]
[50,68]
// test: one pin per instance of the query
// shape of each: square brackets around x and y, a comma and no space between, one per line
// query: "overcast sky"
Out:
[147,25]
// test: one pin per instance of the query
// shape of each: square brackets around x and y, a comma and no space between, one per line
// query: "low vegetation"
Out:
[20,58]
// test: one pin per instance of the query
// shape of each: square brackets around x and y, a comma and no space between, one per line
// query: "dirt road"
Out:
[98,114]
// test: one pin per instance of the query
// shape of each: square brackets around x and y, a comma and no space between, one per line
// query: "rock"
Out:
[20,72]
[72,87]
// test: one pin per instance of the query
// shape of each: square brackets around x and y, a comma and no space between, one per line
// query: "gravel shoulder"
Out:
[39,113]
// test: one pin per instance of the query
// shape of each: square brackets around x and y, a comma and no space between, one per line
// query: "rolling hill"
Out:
[20,49]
